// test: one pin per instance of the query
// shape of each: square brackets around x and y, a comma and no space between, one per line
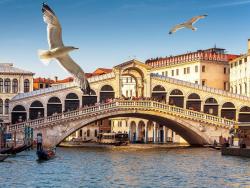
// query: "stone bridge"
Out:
[196,128]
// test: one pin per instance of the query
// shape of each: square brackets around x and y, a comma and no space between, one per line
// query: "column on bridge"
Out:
[137,132]
[164,134]
[146,133]
[155,132]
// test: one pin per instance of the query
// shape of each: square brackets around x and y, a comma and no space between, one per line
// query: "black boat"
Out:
[6,150]
[19,149]
[45,155]
[3,157]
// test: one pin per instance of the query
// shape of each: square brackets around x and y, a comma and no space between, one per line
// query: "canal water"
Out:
[190,167]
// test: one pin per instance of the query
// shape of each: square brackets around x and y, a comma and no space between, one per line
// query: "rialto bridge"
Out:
[197,113]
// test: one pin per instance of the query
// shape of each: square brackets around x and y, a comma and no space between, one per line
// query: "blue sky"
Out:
[109,32]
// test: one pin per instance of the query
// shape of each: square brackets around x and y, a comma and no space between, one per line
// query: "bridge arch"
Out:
[106,92]
[71,102]
[18,114]
[159,93]
[244,114]
[193,134]
[54,106]
[193,102]
[176,98]
[36,110]
[228,111]
[211,106]
[89,100]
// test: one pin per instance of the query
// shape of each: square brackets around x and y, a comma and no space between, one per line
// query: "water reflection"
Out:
[191,167]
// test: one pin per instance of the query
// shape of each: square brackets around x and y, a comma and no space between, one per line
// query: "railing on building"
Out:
[197,86]
[126,105]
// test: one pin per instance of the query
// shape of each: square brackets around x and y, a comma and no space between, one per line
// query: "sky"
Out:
[110,32]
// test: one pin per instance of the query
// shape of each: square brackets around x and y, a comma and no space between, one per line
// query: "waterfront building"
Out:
[240,74]
[196,67]
[13,81]
[40,83]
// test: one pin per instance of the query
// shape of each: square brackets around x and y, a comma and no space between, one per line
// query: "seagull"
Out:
[188,24]
[58,51]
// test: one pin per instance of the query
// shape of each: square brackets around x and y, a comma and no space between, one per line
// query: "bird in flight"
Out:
[58,51]
[188,24]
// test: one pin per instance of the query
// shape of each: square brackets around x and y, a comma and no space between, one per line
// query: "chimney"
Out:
[248,46]
[56,78]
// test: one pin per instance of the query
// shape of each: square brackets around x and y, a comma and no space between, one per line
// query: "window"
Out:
[232,65]
[15,86]
[131,79]
[1,106]
[203,68]
[177,72]
[172,72]
[240,62]
[131,93]
[196,82]
[245,88]
[26,85]
[166,73]
[162,73]
[203,82]
[7,85]
[188,70]
[95,133]
[6,105]
[1,85]
[126,93]
[40,86]
[126,80]
[235,63]
[245,59]
[225,85]
[196,68]
[185,70]
[88,133]
[225,70]
[80,133]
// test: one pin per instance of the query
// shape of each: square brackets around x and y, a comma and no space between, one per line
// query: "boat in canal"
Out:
[6,150]
[3,157]
[117,139]
[45,154]
[19,149]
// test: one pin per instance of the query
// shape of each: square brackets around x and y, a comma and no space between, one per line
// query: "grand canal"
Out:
[190,167]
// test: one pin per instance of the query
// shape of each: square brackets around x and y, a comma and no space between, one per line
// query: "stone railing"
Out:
[204,88]
[126,105]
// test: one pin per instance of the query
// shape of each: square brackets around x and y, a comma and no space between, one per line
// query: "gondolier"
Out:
[39,141]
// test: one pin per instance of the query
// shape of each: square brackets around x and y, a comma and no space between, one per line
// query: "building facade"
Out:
[12,82]
[240,74]
[196,67]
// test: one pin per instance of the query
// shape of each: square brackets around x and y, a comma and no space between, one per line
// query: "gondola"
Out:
[19,149]
[3,157]
[6,150]
[45,154]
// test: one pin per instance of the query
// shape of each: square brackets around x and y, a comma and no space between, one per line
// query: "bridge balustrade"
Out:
[124,104]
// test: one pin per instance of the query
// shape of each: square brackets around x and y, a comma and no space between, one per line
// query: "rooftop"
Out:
[7,68]
[212,54]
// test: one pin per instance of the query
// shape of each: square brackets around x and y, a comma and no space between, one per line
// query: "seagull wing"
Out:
[72,67]
[176,28]
[54,30]
[195,19]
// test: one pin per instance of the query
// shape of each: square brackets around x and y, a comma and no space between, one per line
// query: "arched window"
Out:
[36,110]
[54,106]
[6,105]
[176,92]
[15,86]
[211,106]
[26,85]
[71,102]
[7,85]
[228,111]
[193,102]
[1,106]
[107,92]
[1,85]
[176,98]
[244,114]
[159,93]
[18,114]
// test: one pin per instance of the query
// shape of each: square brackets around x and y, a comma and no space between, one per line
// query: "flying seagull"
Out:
[58,51]
[188,24]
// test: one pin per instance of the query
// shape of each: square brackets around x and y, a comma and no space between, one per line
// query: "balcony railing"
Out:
[126,105]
